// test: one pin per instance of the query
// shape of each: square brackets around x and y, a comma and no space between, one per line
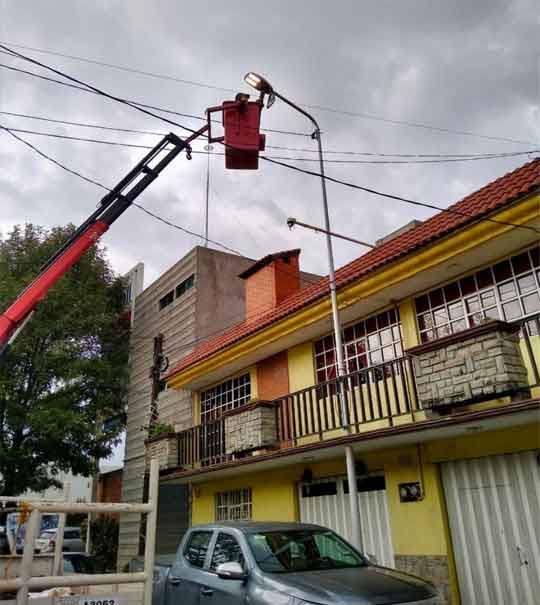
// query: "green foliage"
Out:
[66,371]
[104,543]
[160,428]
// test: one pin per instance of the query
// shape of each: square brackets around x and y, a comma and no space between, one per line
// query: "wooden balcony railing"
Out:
[379,393]
[202,445]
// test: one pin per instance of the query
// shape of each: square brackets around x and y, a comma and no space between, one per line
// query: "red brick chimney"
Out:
[270,280]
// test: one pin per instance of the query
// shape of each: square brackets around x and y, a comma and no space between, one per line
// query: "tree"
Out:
[66,372]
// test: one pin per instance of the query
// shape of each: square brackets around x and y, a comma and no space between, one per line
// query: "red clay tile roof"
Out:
[493,196]
[266,260]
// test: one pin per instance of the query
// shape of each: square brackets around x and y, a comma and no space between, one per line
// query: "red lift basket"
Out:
[243,141]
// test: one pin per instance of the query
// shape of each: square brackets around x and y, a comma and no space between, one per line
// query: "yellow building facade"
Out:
[442,344]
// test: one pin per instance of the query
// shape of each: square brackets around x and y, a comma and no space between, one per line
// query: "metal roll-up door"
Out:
[326,502]
[494,512]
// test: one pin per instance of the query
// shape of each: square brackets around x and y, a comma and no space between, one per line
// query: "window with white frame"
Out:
[225,396]
[508,290]
[234,505]
[366,343]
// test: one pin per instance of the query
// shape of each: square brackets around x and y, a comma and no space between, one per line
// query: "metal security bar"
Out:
[25,581]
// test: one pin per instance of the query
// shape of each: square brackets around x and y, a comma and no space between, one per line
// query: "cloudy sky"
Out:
[457,66]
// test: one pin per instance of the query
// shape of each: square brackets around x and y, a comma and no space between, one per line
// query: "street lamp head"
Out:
[258,82]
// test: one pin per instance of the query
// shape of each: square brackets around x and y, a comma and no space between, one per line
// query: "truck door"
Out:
[187,577]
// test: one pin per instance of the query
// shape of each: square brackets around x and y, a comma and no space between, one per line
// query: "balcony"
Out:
[494,362]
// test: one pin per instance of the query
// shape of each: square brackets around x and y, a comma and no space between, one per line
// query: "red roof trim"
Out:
[493,196]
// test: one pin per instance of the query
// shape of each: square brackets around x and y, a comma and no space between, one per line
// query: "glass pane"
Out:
[396,333]
[422,304]
[195,551]
[458,326]
[531,303]
[329,342]
[502,270]
[507,290]
[475,319]
[375,357]
[436,298]
[492,313]
[226,550]
[348,334]
[488,298]
[373,341]
[512,310]
[425,321]
[526,283]
[444,331]
[330,358]
[360,329]
[427,336]
[484,278]
[393,314]
[521,263]
[472,304]
[319,347]
[388,353]
[382,320]
[451,292]
[386,336]
[440,316]
[455,310]
[399,349]
[468,285]
[321,375]
[362,361]
[371,325]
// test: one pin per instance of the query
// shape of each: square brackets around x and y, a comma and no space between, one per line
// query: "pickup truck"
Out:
[278,564]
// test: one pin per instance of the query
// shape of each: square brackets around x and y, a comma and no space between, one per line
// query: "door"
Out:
[187,575]
[216,591]
[326,502]
[494,513]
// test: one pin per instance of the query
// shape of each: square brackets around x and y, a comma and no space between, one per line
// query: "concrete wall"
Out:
[213,303]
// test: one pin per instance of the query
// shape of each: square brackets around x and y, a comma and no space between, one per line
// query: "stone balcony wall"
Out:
[469,366]
[250,427]
[164,448]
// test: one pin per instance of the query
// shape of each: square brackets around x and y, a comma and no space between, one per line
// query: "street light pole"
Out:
[262,85]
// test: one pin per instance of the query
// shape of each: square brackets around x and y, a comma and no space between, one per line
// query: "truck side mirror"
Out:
[231,571]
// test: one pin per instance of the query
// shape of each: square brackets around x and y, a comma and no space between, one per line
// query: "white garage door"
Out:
[326,502]
[494,512]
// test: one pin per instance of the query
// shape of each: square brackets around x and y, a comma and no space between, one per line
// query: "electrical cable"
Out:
[277,162]
[132,102]
[490,156]
[399,198]
[356,114]
[280,147]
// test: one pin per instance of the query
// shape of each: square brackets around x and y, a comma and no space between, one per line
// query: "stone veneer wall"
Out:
[164,448]
[431,567]
[470,365]
[250,427]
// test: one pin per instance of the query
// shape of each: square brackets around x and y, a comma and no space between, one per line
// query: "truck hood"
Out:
[371,585]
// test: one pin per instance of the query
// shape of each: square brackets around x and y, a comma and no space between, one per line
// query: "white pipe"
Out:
[353,499]
[31,533]
[58,562]
[151,523]
[44,582]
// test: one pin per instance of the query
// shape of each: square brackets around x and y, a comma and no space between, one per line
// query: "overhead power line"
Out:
[283,164]
[491,156]
[399,198]
[355,114]
[278,147]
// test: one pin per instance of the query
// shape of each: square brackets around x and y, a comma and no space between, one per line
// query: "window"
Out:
[508,290]
[166,300]
[226,550]
[366,343]
[302,550]
[234,505]
[225,396]
[197,547]
[186,285]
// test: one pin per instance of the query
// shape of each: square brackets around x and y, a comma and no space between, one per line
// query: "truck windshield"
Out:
[302,550]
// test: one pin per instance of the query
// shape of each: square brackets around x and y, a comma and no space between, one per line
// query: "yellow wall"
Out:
[301,367]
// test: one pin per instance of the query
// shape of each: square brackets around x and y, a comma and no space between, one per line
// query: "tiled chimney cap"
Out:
[266,260]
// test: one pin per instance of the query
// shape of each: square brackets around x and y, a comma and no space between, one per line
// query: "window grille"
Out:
[228,395]
[234,505]
[508,290]
[366,343]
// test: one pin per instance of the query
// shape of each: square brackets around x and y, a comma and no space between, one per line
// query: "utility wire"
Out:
[399,198]
[280,147]
[278,162]
[132,102]
[489,156]
[356,114]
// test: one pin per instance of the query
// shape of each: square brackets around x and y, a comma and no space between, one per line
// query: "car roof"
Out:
[249,527]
